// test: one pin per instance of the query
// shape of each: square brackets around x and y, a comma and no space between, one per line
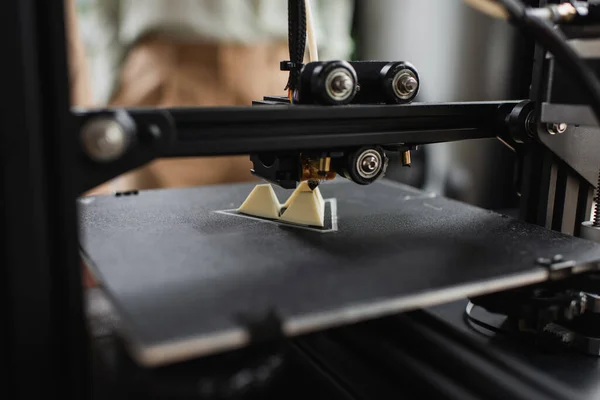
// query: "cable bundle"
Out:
[296,40]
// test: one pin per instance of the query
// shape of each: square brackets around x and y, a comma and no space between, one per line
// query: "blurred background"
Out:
[227,52]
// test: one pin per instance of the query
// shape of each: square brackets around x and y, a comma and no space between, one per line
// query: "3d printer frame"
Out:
[44,169]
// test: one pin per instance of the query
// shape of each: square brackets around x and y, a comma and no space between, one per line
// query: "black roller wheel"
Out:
[400,82]
[364,165]
[334,83]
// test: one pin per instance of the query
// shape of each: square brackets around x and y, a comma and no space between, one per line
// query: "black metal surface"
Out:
[180,272]
[44,342]
[372,359]
[556,183]
[145,147]
[563,198]
[386,364]
[474,372]
[205,131]
[221,131]
[352,367]
[284,170]
[579,147]
[568,113]
[558,178]
[434,354]
[571,371]
[560,102]
[482,369]
[553,195]
[563,89]
[300,377]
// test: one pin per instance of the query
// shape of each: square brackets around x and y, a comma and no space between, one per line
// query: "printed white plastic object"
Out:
[304,207]
[261,202]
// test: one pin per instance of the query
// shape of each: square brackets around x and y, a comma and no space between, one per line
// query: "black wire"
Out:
[296,39]
[556,43]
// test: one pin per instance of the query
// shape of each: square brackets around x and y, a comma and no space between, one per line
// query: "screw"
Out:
[405,84]
[554,129]
[370,164]
[408,84]
[339,84]
[104,139]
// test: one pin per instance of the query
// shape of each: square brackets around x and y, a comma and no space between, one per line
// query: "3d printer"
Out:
[176,323]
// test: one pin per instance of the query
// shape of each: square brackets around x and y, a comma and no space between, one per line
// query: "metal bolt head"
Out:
[405,84]
[370,164]
[409,84]
[555,129]
[104,139]
[339,84]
